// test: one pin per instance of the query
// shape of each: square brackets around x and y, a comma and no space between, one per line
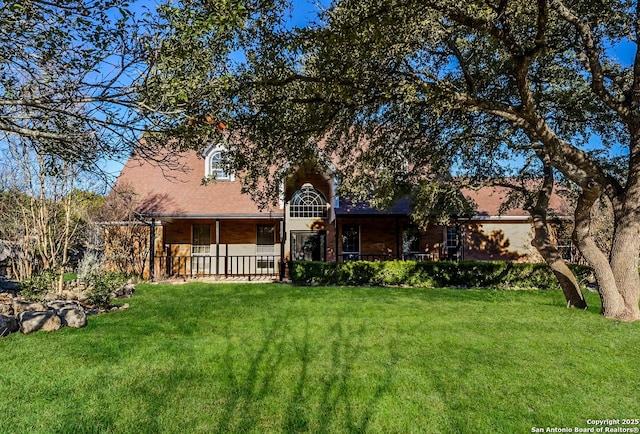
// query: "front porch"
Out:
[221,247]
[223,266]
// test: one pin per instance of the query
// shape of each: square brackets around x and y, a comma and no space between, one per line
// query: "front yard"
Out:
[276,358]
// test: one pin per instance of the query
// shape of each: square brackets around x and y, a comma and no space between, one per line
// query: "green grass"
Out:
[276,358]
[68,277]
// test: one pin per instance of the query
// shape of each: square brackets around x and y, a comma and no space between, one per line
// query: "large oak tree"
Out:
[481,88]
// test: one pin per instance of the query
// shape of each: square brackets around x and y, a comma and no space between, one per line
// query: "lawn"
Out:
[276,358]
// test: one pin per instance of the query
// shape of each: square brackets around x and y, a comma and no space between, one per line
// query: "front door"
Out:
[308,245]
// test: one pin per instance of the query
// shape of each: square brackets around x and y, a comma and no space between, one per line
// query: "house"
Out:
[200,228]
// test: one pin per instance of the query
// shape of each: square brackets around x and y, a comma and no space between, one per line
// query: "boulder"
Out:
[63,304]
[20,305]
[46,321]
[8,325]
[50,296]
[125,291]
[6,304]
[6,309]
[71,313]
[37,307]
[75,318]
[69,294]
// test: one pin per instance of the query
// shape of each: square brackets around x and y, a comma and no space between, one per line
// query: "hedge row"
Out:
[441,274]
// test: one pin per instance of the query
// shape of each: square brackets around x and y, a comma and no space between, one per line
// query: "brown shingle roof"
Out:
[489,200]
[181,193]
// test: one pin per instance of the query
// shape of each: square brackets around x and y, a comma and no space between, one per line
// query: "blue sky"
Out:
[305,11]
[302,13]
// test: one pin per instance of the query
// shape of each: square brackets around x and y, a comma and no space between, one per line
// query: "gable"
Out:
[180,191]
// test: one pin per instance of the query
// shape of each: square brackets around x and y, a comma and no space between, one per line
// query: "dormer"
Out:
[214,164]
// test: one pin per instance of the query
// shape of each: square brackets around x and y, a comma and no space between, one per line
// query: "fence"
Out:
[240,265]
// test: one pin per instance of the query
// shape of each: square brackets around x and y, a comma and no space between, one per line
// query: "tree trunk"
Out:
[624,265]
[553,258]
[547,249]
[617,276]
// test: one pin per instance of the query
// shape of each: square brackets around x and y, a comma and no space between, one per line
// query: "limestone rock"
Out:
[6,309]
[37,307]
[71,313]
[125,291]
[50,296]
[6,304]
[46,321]
[8,325]
[20,306]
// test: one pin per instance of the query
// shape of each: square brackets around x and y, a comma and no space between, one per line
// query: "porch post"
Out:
[283,240]
[398,238]
[152,249]
[217,246]
[337,238]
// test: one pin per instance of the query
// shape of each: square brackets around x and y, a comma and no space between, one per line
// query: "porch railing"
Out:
[411,256]
[238,265]
[346,257]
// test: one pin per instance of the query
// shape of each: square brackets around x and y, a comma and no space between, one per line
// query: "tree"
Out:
[79,63]
[534,196]
[128,234]
[444,86]
[45,217]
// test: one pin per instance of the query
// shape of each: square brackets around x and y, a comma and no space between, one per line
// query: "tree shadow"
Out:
[245,390]
[488,246]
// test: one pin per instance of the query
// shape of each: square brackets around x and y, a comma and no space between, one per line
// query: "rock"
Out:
[6,304]
[33,321]
[50,296]
[71,313]
[126,291]
[8,325]
[20,306]
[63,304]
[75,318]
[8,285]
[37,307]
[69,295]
[6,309]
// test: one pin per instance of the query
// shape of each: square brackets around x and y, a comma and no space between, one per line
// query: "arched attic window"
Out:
[308,203]
[213,165]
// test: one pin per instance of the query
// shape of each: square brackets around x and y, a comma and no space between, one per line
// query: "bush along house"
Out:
[213,229]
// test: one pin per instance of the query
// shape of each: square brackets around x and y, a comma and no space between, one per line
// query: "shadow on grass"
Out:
[244,390]
[311,403]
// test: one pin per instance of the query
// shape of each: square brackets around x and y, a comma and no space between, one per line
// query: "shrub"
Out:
[90,264]
[36,287]
[465,274]
[101,284]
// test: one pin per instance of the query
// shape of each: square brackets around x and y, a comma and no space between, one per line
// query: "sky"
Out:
[306,11]
[302,13]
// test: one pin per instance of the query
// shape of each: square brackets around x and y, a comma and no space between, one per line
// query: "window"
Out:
[454,243]
[452,237]
[308,202]
[410,239]
[215,166]
[351,239]
[201,240]
[265,236]
[308,245]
